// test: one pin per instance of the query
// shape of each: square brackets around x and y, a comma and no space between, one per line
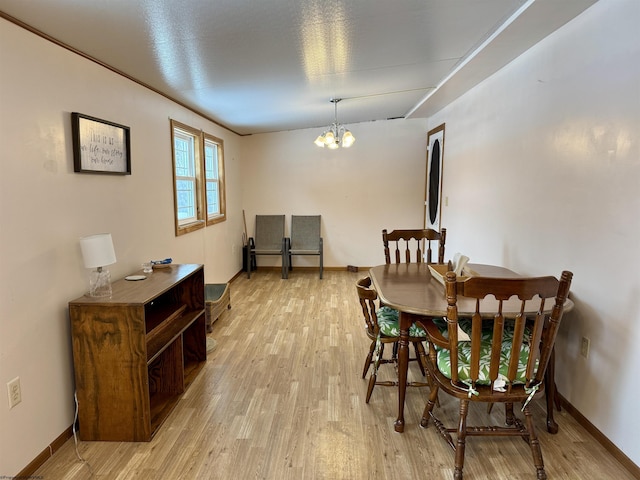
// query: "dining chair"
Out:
[408,241]
[269,240]
[382,327]
[505,359]
[305,238]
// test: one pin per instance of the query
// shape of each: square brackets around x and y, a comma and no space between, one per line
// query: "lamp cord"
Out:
[75,436]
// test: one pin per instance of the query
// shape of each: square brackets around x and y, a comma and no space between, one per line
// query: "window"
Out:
[214,179]
[185,177]
[198,172]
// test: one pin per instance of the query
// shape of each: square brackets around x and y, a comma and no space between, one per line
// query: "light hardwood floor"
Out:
[281,397]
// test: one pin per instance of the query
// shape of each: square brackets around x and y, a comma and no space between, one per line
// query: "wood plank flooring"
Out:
[281,397]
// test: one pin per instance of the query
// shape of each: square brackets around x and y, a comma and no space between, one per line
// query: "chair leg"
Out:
[285,267]
[508,412]
[462,436]
[374,374]
[367,362]
[534,443]
[433,397]
[422,361]
[421,356]
[248,260]
[372,383]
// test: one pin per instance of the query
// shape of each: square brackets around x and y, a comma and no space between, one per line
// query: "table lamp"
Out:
[97,252]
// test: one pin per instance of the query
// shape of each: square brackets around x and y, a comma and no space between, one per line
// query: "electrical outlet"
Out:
[584,347]
[15,395]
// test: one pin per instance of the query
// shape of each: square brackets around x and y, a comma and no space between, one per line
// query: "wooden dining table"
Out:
[411,289]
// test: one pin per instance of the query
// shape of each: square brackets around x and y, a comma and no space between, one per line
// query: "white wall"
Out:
[525,155]
[542,171]
[45,207]
[377,183]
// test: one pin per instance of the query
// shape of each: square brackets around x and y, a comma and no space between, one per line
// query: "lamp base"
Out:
[100,283]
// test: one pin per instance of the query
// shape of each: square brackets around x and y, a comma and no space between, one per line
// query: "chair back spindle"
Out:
[401,244]
[533,336]
[368,296]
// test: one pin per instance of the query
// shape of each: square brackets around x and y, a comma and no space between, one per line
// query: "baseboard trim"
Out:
[46,454]
[278,268]
[601,438]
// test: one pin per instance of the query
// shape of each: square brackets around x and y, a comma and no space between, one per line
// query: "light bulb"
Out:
[319,141]
[348,139]
[329,138]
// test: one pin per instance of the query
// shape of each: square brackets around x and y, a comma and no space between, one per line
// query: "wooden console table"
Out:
[136,352]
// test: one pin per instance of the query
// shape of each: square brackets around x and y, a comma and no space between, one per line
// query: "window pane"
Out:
[213,205]
[186,197]
[211,160]
[184,156]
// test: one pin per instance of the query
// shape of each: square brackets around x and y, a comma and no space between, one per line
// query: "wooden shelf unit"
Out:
[136,352]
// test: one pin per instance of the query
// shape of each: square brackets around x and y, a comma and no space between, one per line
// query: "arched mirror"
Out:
[433,202]
[433,190]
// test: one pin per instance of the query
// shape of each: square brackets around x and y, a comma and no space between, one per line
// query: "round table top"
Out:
[411,288]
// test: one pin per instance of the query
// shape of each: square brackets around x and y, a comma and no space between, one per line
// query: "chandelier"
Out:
[336,135]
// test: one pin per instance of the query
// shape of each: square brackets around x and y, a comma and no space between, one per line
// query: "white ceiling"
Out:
[270,65]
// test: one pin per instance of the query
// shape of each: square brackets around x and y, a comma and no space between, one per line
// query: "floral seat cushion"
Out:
[464,355]
[389,324]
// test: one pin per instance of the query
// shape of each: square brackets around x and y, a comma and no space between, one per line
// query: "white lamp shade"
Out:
[97,250]
[329,138]
[348,139]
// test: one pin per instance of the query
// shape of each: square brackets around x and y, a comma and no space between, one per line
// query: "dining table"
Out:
[413,290]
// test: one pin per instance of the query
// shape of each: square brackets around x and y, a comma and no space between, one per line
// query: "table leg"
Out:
[550,393]
[403,366]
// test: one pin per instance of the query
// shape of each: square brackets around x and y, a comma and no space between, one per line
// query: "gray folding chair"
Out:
[269,240]
[305,238]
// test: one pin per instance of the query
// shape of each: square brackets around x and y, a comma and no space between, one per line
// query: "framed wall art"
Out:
[433,190]
[100,146]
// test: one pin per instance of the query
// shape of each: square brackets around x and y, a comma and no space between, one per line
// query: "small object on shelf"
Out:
[134,278]
[98,252]
[161,263]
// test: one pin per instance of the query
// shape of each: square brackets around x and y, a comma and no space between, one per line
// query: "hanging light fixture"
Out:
[336,135]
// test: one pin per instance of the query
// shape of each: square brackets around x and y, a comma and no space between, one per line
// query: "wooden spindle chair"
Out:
[504,362]
[387,333]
